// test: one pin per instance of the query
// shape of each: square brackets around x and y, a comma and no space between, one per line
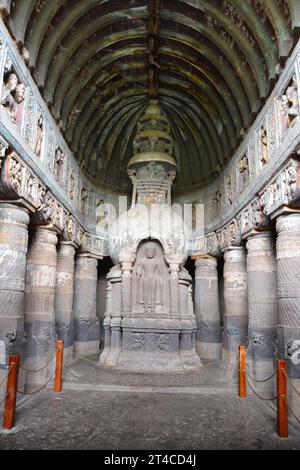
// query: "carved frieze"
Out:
[93,245]
[288,107]
[252,218]
[284,190]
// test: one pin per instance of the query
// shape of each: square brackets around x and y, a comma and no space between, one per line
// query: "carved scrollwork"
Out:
[253,218]
[69,231]
[212,244]
[230,235]
[12,176]
[46,214]
[3,148]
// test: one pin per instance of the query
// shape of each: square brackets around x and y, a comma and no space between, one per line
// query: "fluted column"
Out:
[288,275]
[208,336]
[87,326]
[39,311]
[64,292]
[13,248]
[235,303]
[262,301]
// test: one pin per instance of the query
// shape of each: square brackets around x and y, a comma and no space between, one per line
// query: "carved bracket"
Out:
[283,193]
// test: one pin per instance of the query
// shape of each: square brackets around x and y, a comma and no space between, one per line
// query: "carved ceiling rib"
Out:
[212,63]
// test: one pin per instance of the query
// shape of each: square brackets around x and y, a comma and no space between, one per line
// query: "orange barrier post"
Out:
[282,416]
[58,366]
[11,392]
[242,372]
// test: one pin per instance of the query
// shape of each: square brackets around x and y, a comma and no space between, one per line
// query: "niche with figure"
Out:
[13,96]
[150,280]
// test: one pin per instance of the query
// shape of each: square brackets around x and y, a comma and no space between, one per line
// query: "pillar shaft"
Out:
[288,276]
[87,326]
[208,336]
[262,301]
[39,311]
[64,291]
[13,248]
[101,303]
[235,303]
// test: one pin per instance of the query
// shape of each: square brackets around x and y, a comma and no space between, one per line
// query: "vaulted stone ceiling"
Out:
[211,63]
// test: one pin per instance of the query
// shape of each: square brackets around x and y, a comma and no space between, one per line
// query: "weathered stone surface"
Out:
[39,310]
[288,278]
[87,325]
[263,307]
[64,291]
[13,248]
[235,303]
[208,337]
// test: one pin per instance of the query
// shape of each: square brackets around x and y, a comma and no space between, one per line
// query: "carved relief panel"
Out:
[13,94]
[288,107]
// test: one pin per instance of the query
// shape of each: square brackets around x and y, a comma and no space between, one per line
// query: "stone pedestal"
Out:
[39,311]
[288,275]
[208,336]
[13,248]
[235,304]
[87,325]
[64,297]
[262,301]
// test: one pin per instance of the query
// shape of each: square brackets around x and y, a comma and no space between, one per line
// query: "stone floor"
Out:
[100,409]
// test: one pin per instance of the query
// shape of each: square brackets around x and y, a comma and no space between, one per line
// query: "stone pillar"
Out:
[101,304]
[87,326]
[262,301]
[208,336]
[39,311]
[64,297]
[288,276]
[174,289]
[235,303]
[13,248]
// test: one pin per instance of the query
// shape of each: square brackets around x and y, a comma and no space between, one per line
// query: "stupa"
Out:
[149,321]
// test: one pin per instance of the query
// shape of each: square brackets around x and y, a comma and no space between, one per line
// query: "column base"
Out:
[86,348]
[209,351]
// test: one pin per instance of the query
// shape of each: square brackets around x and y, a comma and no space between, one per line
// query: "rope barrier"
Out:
[291,383]
[5,377]
[262,380]
[291,410]
[259,396]
[37,370]
[5,396]
[40,389]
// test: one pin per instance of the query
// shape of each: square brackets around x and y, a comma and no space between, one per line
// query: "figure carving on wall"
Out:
[263,140]
[72,186]
[8,99]
[39,137]
[289,105]
[149,281]
[244,166]
[229,189]
[59,165]
[102,214]
[217,199]
[292,96]
[84,200]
